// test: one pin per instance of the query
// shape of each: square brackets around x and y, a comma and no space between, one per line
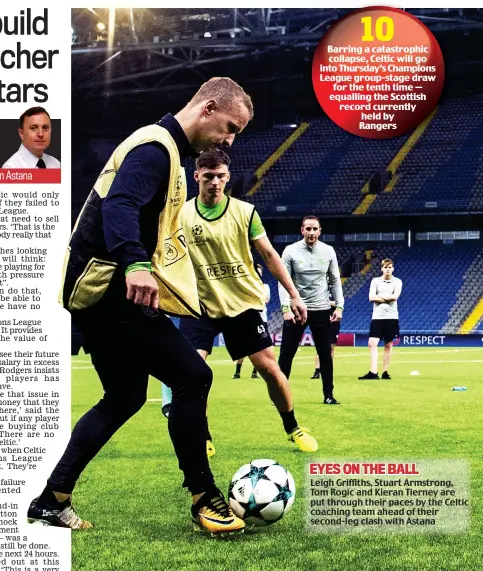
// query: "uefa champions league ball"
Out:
[261,492]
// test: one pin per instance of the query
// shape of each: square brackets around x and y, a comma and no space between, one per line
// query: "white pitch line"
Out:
[395,360]
[404,362]
[340,357]
[406,352]
[341,360]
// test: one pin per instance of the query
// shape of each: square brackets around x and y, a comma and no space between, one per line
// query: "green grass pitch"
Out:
[132,490]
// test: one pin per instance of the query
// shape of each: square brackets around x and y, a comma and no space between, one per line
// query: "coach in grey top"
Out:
[384,293]
[315,272]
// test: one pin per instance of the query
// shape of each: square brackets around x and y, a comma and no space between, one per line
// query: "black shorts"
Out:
[244,334]
[387,329]
[334,332]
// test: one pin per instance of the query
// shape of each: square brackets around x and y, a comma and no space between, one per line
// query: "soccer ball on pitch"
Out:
[261,492]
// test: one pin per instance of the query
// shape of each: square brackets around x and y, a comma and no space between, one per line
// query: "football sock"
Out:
[60,497]
[49,496]
[196,497]
[289,422]
[238,368]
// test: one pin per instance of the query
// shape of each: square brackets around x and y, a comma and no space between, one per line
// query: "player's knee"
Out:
[122,406]
[372,342]
[137,401]
[196,385]
[206,379]
[202,377]
[268,369]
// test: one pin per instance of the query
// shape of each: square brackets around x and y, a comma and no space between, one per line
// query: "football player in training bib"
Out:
[219,232]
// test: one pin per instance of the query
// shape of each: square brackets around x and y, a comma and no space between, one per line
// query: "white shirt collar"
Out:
[29,157]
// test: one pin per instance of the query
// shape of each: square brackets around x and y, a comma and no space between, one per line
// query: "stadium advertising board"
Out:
[344,340]
[420,340]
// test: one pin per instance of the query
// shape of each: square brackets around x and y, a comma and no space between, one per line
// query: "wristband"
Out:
[286,308]
[138,266]
[339,307]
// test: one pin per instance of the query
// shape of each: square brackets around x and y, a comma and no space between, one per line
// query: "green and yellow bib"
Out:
[228,283]
[88,269]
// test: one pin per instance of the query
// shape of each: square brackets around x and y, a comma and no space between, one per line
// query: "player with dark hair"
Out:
[220,231]
[315,272]
[127,267]
[384,293]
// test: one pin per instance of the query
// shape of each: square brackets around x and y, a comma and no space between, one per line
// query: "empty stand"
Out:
[441,172]
[326,169]
[440,282]
[470,292]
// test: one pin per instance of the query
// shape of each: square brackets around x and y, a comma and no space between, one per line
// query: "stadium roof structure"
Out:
[142,51]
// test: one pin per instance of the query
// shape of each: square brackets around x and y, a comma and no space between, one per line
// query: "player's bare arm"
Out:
[395,295]
[278,270]
[377,299]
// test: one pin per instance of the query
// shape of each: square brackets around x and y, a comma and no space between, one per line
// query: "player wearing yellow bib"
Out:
[219,232]
[127,268]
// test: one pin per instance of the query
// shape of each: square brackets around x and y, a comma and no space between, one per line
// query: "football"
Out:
[261,492]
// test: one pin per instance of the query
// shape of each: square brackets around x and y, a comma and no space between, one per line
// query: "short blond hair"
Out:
[224,91]
[387,262]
